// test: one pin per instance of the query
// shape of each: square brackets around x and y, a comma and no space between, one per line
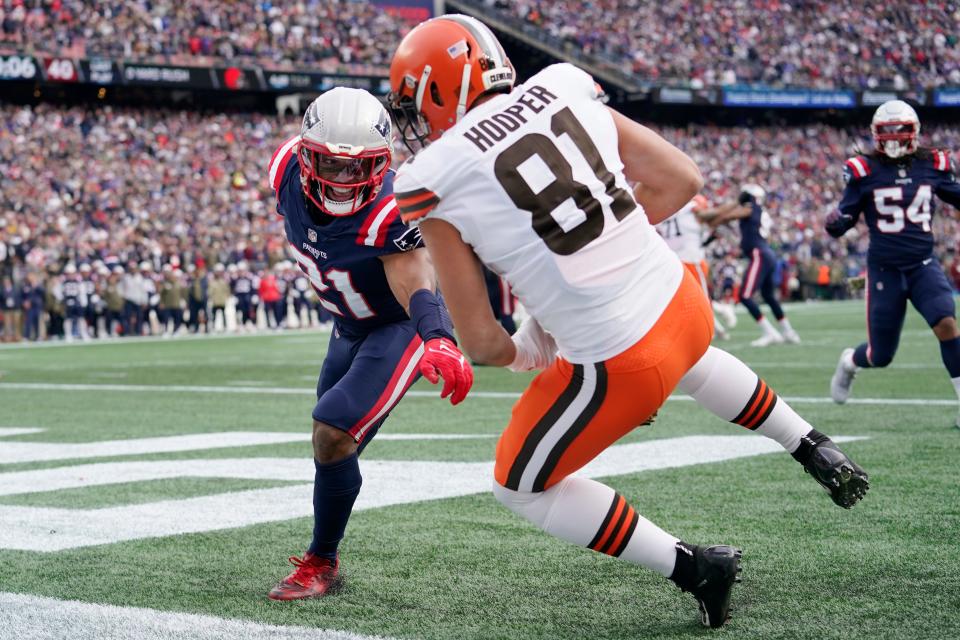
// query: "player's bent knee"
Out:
[331,444]
[946,329]
[533,506]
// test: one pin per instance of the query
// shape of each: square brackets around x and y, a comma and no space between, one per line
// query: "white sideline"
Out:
[284,391]
[30,617]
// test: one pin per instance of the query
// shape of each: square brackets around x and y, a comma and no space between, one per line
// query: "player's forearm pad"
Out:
[430,316]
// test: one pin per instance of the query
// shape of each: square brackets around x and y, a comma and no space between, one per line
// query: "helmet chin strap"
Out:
[464,90]
[422,87]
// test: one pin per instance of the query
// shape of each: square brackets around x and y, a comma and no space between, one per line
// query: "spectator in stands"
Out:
[901,45]
[219,291]
[32,296]
[11,305]
[337,35]
[197,298]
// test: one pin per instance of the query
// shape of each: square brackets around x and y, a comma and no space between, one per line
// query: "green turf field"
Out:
[462,566]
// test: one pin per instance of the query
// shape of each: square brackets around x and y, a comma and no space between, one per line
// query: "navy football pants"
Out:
[364,376]
[887,292]
[759,276]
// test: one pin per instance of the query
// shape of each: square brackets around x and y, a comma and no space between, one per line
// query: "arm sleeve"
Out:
[948,189]
[850,202]
[849,209]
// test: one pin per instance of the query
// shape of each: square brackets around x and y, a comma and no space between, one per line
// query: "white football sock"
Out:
[767,328]
[850,365]
[726,387]
[785,325]
[590,514]
[956,385]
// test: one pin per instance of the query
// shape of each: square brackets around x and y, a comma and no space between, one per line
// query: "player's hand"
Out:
[536,349]
[442,359]
[838,223]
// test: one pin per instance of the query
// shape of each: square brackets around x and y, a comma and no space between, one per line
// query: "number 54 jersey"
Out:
[896,199]
[534,183]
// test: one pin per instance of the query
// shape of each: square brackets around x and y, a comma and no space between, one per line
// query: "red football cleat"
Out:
[312,578]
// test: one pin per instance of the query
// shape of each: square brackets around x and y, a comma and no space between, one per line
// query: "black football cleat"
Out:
[718,569]
[843,479]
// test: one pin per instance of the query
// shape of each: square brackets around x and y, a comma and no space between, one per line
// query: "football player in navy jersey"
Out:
[334,189]
[759,276]
[893,187]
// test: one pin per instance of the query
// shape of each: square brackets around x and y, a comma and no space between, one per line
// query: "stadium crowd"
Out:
[904,44]
[332,35]
[165,216]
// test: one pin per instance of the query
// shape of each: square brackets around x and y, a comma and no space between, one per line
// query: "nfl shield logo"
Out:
[311,235]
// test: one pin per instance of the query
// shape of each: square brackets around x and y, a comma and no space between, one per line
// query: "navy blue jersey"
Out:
[242,286]
[73,294]
[897,201]
[342,256]
[751,236]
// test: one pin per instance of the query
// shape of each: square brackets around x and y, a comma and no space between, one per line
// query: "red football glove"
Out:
[442,359]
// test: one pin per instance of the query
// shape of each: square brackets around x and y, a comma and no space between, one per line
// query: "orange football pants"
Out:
[572,412]
[701,273]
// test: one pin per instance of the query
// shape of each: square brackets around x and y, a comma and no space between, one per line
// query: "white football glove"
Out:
[536,349]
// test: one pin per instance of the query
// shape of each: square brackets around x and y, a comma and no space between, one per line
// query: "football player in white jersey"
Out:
[683,234]
[532,182]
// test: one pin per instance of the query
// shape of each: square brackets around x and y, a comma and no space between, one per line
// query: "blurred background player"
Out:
[893,187]
[334,189]
[74,303]
[753,222]
[683,233]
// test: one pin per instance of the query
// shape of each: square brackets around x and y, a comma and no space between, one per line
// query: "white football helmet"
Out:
[756,191]
[345,149]
[895,128]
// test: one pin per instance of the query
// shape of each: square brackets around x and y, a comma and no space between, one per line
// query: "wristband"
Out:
[430,317]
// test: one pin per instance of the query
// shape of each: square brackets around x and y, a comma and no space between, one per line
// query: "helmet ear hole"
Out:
[435,94]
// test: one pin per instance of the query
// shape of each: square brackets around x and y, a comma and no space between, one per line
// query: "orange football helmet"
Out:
[439,70]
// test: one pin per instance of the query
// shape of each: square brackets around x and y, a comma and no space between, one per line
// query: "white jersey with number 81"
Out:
[534,183]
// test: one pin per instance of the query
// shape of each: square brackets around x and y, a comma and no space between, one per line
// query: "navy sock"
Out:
[774,305]
[860,356]
[753,308]
[335,488]
[950,352]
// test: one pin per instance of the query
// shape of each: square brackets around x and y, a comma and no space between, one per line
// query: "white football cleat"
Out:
[791,336]
[729,315]
[767,339]
[842,380]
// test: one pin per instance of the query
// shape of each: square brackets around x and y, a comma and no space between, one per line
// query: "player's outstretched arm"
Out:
[668,178]
[412,280]
[465,293]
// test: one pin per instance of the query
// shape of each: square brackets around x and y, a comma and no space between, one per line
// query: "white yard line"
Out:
[295,391]
[19,451]
[150,339]
[385,483]
[18,431]
[29,617]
